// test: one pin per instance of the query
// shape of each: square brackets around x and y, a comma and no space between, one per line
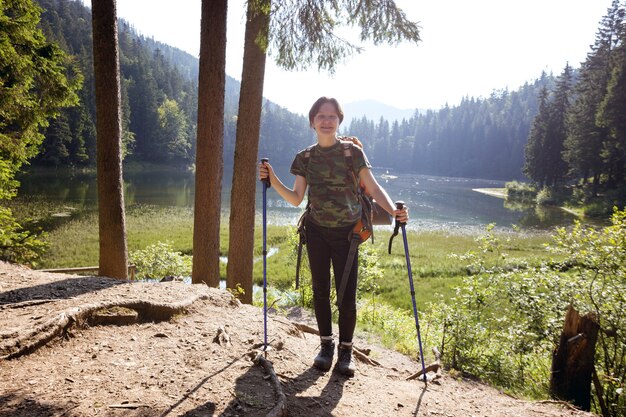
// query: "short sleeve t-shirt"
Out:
[333,200]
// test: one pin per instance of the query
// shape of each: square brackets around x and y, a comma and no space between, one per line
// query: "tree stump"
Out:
[573,359]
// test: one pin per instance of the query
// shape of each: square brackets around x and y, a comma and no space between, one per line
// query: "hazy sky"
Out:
[468,48]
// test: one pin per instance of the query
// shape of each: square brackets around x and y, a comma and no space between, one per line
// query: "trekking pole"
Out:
[400,205]
[266,185]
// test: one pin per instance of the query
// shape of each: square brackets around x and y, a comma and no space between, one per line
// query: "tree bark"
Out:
[111,217]
[573,359]
[242,201]
[210,143]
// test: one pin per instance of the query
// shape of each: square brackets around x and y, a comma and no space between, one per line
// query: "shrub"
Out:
[545,197]
[160,260]
[17,244]
[520,191]
[503,324]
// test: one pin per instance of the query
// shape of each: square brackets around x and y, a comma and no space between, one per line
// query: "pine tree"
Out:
[210,144]
[534,165]
[113,251]
[612,114]
[556,168]
[246,148]
[36,79]
[586,139]
[143,98]
[58,137]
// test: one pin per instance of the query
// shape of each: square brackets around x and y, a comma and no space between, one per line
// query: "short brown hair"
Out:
[315,108]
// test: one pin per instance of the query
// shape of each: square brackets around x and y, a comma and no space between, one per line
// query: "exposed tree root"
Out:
[14,345]
[279,409]
[363,357]
[433,367]
[563,404]
[27,303]
[305,328]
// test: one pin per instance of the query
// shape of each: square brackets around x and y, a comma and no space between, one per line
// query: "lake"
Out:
[435,202]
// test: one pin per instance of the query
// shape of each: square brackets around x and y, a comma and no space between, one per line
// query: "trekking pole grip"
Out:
[400,205]
[266,181]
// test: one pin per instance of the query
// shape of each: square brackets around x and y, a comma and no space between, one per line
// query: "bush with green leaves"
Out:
[520,191]
[17,244]
[159,261]
[596,262]
[504,321]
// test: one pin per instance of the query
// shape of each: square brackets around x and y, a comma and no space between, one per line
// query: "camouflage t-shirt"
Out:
[333,200]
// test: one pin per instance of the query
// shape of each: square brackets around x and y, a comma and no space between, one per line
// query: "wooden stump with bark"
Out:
[573,359]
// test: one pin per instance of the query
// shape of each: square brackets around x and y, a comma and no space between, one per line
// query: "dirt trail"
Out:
[166,360]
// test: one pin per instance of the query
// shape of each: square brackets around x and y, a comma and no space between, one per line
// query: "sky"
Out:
[468,49]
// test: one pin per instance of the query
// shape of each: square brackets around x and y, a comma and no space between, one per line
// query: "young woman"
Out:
[334,210]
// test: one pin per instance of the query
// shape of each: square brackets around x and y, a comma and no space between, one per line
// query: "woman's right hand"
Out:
[264,170]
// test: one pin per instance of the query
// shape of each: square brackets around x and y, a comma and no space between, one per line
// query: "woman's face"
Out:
[326,121]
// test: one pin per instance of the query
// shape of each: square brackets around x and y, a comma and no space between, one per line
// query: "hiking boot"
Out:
[345,365]
[324,359]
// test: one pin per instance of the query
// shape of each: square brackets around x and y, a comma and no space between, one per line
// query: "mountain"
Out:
[374,110]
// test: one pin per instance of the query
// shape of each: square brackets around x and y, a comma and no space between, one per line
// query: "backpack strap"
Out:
[347,153]
[307,156]
[355,240]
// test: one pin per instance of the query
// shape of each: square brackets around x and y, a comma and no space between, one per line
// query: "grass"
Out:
[74,243]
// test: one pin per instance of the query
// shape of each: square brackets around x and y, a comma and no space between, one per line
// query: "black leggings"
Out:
[326,245]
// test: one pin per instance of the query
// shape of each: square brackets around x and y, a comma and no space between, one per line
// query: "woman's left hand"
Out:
[401,215]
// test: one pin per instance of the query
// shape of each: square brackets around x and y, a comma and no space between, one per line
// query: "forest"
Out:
[480,137]
[583,128]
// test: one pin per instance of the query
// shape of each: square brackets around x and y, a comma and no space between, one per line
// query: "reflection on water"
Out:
[435,202]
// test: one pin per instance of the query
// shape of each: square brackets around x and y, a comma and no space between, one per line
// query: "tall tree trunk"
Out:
[210,143]
[242,200]
[111,219]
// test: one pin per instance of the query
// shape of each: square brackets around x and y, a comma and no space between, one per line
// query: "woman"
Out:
[334,209]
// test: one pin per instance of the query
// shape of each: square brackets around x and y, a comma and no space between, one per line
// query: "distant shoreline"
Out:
[501,193]
[494,192]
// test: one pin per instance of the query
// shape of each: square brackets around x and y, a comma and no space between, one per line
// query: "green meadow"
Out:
[436,260]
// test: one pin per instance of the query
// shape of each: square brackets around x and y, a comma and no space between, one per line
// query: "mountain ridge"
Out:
[374,110]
